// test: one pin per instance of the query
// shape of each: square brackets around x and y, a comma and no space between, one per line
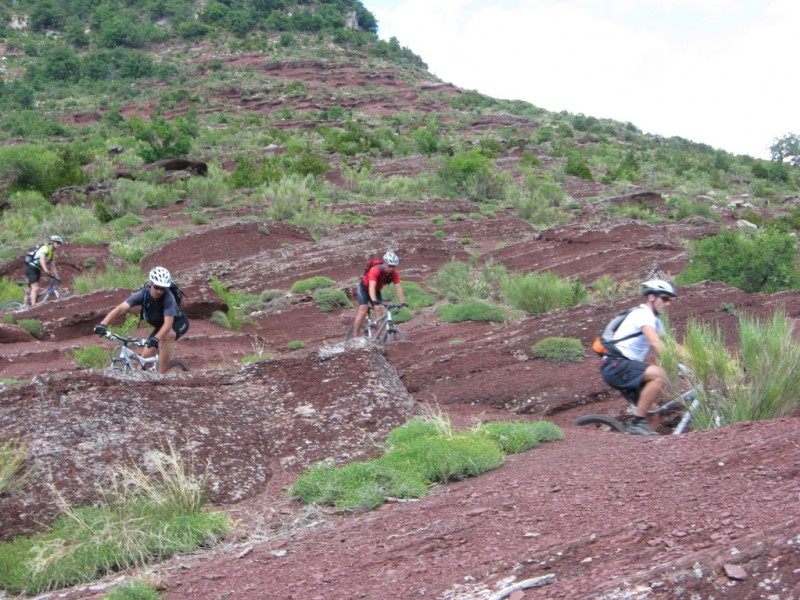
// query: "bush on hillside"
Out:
[764,261]
[559,350]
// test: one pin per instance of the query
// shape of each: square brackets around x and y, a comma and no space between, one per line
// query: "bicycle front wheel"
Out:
[121,365]
[350,336]
[393,335]
[11,306]
[602,421]
[177,363]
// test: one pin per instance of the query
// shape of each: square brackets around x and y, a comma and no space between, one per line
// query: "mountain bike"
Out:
[687,400]
[128,360]
[381,329]
[50,293]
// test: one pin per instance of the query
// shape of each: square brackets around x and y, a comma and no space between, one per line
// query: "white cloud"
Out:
[714,71]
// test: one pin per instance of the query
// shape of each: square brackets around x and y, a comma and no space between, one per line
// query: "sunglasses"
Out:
[666,299]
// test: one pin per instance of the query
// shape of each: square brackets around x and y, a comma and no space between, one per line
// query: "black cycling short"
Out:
[180,325]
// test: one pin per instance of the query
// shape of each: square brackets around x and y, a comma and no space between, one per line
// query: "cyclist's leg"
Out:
[165,351]
[362,302]
[33,274]
[150,352]
[653,380]
[628,376]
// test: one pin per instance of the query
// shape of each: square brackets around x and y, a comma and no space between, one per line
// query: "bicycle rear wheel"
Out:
[602,420]
[177,363]
[9,306]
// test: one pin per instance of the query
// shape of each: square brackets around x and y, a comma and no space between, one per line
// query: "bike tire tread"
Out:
[602,420]
[177,363]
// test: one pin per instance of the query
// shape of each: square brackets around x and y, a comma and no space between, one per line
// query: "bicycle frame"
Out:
[382,328]
[688,399]
[44,296]
[127,357]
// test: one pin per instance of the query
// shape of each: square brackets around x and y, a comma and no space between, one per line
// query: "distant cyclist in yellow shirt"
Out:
[43,259]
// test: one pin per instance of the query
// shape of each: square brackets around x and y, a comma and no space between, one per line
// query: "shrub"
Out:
[607,288]
[133,589]
[519,436]
[422,452]
[161,139]
[541,292]
[442,459]
[761,381]
[760,262]
[456,280]
[558,350]
[539,201]
[90,357]
[359,486]
[471,311]
[140,519]
[295,345]
[9,291]
[469,174]
[312,283]
[13,455]
[578,167]
[128,277]
[329,300]
[202,192]
[234,318]
[415,296]
[32,326]
[417,428]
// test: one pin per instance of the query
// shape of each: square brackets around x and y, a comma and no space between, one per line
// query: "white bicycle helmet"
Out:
[390,258]
[160,277]
[658,286]
[56,238]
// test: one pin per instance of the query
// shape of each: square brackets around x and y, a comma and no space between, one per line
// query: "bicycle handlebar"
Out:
[140,342]
[392,306]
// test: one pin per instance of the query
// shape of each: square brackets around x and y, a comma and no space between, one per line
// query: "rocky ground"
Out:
[699,515]
[702,515]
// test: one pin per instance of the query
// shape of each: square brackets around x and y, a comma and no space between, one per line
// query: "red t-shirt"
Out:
[381,277]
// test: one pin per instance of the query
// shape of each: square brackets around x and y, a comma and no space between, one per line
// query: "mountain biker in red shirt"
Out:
[628,372]
[368,291]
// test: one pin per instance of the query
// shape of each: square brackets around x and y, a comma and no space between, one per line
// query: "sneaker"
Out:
[641,428]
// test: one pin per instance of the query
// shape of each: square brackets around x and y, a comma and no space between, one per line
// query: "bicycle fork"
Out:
[687,416]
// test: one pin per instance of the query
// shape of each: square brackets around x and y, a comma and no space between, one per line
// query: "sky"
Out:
[718,72]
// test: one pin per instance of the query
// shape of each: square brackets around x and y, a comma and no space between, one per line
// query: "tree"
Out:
[61,63]
[786,149]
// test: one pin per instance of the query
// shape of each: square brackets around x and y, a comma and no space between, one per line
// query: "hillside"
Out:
[308,152]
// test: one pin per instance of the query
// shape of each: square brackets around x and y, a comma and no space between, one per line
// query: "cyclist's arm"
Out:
[161,334]
[40,259]
[652,337]
[119,310]
[400,295]
[373,290]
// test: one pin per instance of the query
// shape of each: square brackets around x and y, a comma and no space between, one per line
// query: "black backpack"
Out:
[605,344]
[173,287]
